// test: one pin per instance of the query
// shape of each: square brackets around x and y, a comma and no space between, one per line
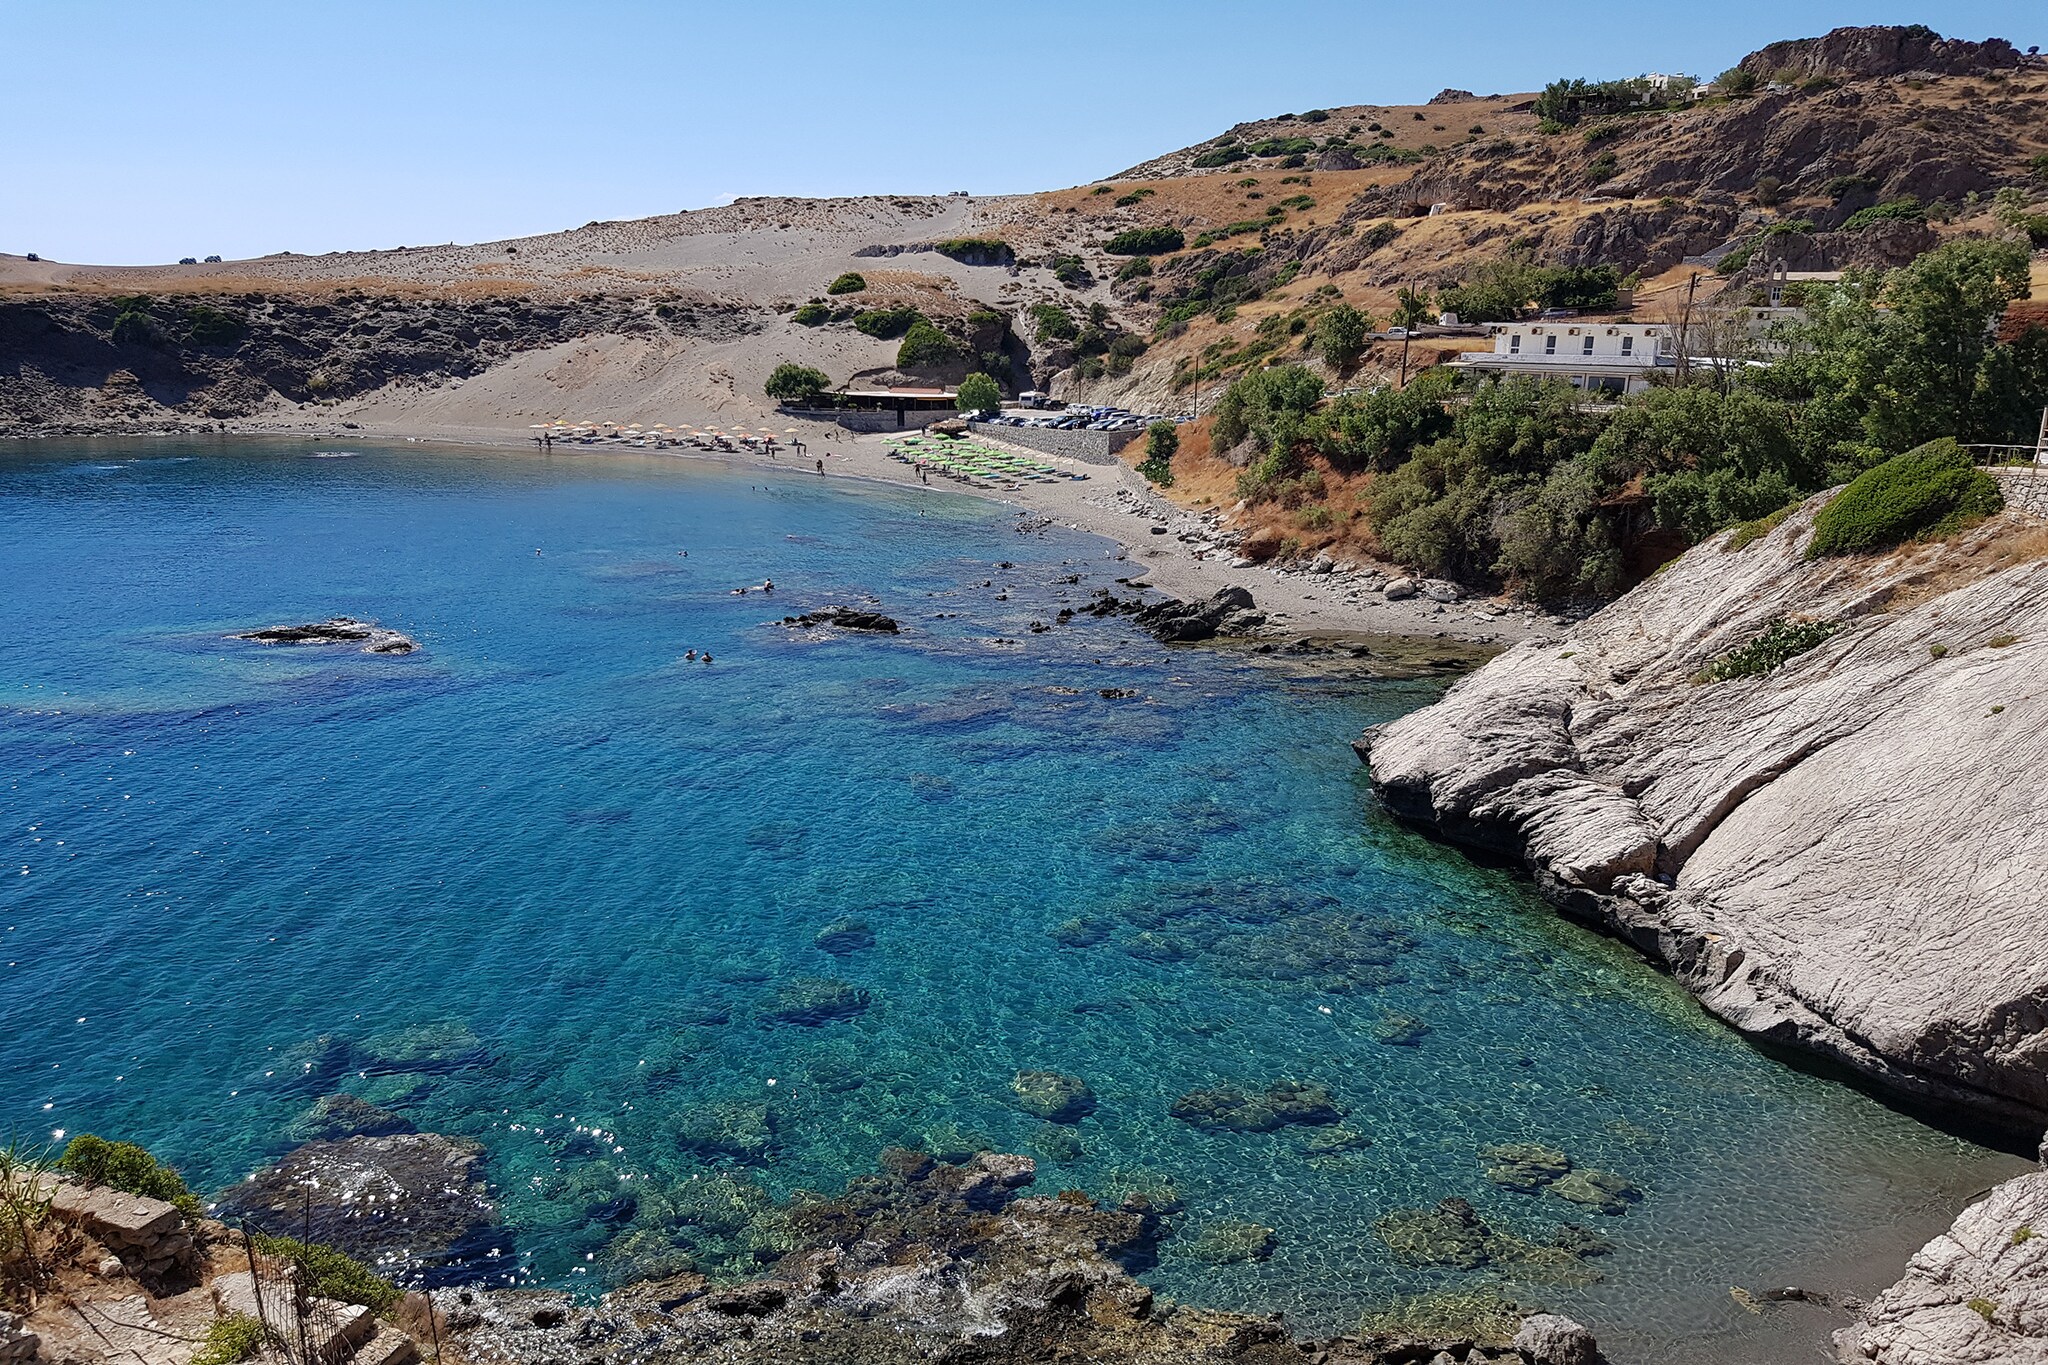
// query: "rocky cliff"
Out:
[1843,855]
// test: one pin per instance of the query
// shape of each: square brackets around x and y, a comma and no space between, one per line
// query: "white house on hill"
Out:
[1615,357]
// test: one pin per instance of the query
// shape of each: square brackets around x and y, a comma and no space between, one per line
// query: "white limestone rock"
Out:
[1846,855]
[1976,1295]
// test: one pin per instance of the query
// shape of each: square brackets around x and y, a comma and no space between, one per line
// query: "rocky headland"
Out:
[1841,853]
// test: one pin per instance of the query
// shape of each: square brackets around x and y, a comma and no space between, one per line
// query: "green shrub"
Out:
[133,326]
[1220,156]
[1842,186]
[1907,210]
[925,345]
[1054,323]
[1783,639]
[1937,651]
[2022,1235]
[1926,493]
[1072,272]
[1341,336]
[233,1338]
[126,1167]
[1752,531]
[329,1274]
[1137,196]
[1983,1308]
[2001,642]
[886,324]
[849,283]
[1283,146]
[811,315]
[978,393]
[212,327]
[1603,169]
[1135,268]
[976,250]
[1145,241]
[798,384]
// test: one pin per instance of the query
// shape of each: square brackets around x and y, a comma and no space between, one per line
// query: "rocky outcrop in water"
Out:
[1977,1294]
[413,1204]
[339,630]
[845,618]
[1844,855]
[928,1261]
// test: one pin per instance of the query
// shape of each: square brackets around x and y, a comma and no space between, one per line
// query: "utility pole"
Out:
[1692,284]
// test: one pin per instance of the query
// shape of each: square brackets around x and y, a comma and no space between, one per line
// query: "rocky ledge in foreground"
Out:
[927,1261]
[339,630]
[1977,1294]
[1845,854]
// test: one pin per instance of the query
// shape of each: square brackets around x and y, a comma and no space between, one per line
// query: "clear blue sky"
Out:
[144,130]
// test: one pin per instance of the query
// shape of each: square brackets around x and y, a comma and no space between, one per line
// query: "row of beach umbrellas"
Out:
[657,430]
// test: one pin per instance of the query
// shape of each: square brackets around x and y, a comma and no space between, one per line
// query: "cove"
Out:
[673,939]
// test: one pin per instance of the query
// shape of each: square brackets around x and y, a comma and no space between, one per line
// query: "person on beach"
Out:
[821,466]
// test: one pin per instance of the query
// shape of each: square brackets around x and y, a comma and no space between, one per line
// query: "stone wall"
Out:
[1090,447]
[149,1235]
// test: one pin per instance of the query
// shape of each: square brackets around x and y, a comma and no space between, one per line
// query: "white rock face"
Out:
[1400,588]
[1976,1295]
[1547,1339]
[1848,854]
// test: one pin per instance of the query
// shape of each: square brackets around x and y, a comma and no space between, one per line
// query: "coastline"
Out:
[1113,502]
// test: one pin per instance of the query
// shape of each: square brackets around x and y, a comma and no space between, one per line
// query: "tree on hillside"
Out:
[1340,337]
[1499,290]
[978,393]
[797,384]
[1412,307]
[1162,443]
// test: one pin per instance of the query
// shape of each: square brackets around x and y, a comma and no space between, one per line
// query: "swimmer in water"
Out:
[691,654]
[707,656]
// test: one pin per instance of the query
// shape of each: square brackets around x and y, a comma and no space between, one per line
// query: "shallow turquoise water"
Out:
[555,876]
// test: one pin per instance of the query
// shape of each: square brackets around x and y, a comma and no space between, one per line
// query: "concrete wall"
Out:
[1090,447]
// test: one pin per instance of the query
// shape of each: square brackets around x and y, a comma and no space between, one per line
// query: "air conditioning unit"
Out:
[1573,332]
[1614,331]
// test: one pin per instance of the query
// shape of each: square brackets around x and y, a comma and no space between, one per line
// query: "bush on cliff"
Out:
[851,282]
[128,1168]
[886,324]
[1785,638]
[925,345]
[1924,494]
[1145,241]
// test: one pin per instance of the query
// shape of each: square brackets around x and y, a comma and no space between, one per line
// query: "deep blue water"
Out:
[556,877]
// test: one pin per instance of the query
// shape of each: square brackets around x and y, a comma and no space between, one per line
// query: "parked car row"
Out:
[1079,418]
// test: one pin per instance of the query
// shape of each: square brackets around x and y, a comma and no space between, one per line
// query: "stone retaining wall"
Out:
[148,1235]
[1090,447]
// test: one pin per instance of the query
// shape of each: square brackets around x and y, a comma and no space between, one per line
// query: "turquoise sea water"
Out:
[548,884]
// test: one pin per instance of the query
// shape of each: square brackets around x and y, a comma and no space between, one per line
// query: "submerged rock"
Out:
[1084,931]
[810,1002]
[844,936]
[1400,1030]
[1230,1243]
[1189,622]
[1601,1191]
[1225,1108]
[413,1204]
[345,1116]
[744,1129]
[1053,1096]
[1524,1167]
[1454,1235]
[339,630]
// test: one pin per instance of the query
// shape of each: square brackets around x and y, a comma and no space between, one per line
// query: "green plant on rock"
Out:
[126,1167]
[332,1275]
[24,1205]
[236,1337]
[1927,493]
[811,315]
[1907,210]
[850,283]
[1983,1308]
[886,324]
[1785,638]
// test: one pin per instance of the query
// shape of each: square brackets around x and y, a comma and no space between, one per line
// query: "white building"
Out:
[1614,357]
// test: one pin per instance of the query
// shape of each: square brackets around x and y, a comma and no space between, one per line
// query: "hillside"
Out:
[1864,148]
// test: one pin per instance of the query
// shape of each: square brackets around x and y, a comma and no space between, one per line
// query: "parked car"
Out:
[1553,314]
